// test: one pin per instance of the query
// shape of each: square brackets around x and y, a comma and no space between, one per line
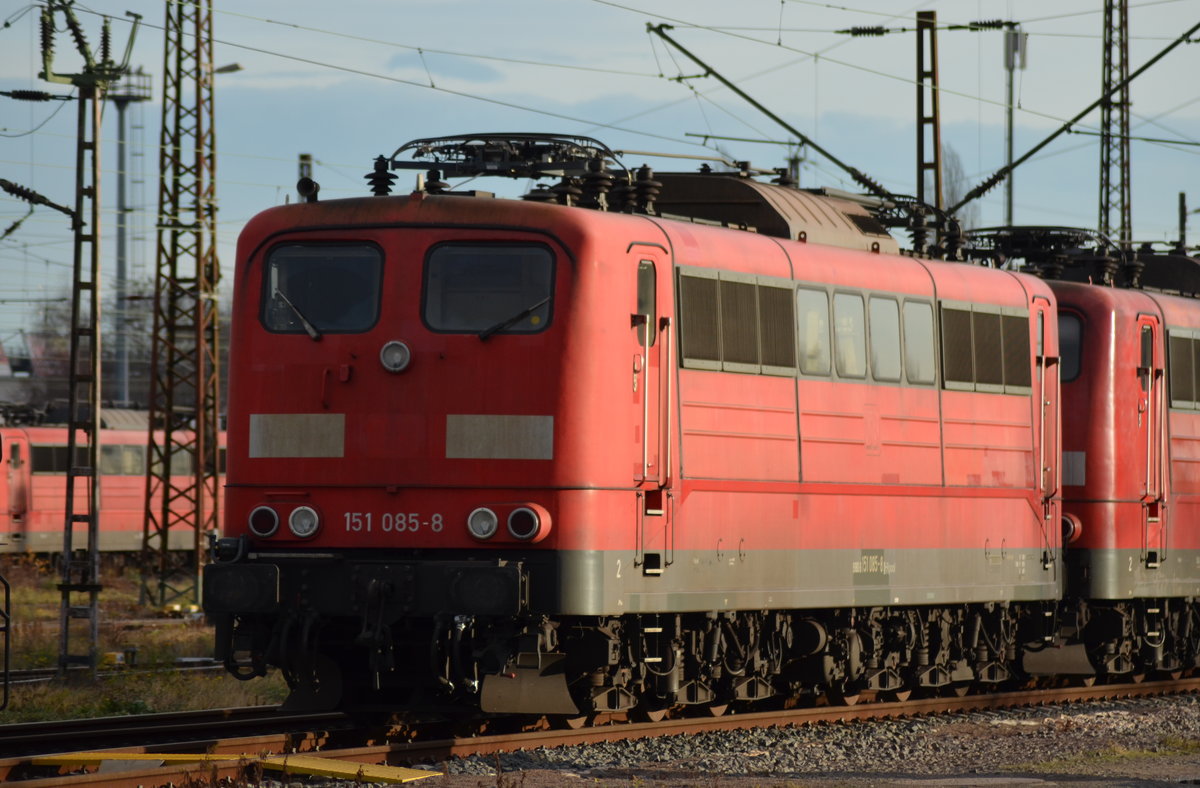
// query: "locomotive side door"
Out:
[1049,415]
[1151,429]
[651,343]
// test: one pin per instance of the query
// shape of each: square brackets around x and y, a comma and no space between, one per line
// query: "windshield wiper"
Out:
[309,328]
[503,324]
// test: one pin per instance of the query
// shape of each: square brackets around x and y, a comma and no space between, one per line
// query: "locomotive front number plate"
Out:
[389,522]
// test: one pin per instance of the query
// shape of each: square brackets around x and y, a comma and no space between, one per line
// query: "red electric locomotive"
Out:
[33,466]
[1131,484]
[707,441]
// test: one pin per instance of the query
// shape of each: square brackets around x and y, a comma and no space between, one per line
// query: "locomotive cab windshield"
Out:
[486,289]
[322,288]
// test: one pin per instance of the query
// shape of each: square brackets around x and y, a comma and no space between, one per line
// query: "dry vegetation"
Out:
[148,642]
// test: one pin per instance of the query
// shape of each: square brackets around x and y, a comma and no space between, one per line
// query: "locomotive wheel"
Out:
[324,694]
[1137,678]
[843,695]
[650,711]
[717,709]
[571,723]
[959,689]
[898,696]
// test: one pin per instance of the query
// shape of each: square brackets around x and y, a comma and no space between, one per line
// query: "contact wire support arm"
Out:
[861,178]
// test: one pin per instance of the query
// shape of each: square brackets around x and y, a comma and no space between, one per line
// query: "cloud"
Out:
[445,66]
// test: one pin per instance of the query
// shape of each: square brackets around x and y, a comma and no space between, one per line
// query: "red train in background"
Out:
[1131,466]
[33,473]
[654,440]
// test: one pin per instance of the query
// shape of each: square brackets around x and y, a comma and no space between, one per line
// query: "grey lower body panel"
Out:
[613,583]
[1125,574]
[110,541]
[607,583]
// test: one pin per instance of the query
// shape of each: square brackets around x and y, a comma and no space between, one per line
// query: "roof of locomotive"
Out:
[569,224]
[778,211]
[1087,297]
[725,200]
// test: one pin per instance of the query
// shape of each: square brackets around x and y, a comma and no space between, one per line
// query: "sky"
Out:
[351,80]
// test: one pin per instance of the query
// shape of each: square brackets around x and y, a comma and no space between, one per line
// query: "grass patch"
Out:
[130,632]
[138,693]
[1114,754]
[126,627]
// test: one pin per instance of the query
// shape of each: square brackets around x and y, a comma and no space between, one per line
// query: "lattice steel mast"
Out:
[1115,204]
[184,391]
[929,127]
[81,558]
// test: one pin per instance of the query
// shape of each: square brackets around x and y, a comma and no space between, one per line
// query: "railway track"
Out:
[187,729]
[337,736]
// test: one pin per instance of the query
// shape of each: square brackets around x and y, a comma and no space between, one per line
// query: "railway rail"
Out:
[336,736]
[187,728]
[40,675]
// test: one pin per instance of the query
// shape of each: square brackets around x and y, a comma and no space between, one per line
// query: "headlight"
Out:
[304,521]
[395,356]
[263,521]
[524,523]
[482,523]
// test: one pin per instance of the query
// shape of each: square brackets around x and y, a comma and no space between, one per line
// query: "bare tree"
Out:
[954,181]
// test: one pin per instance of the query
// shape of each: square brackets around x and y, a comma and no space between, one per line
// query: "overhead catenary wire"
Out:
[1052,17]
[691,96]
[593,124]
[854,173]
[440,89]
[1003,171]
[47,119]
[812,55]
[423,50]
[614,125]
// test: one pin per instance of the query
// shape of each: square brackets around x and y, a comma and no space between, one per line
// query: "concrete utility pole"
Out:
[133,87]
[1015,44]
[81,557]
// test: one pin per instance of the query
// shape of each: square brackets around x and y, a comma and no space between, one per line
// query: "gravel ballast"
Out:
[1136,742]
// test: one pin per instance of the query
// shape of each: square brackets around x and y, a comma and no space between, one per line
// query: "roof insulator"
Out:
[783,177]
[380,179]
[567,191]
[434,183]
[541,193]
[597,183]
[646,189]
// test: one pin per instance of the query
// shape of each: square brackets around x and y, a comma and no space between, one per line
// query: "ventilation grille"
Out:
[989,358]
[698,323]
[777,327]
[1016,351]
[868,224]
[1182,369]
[956,346]
[739,323]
